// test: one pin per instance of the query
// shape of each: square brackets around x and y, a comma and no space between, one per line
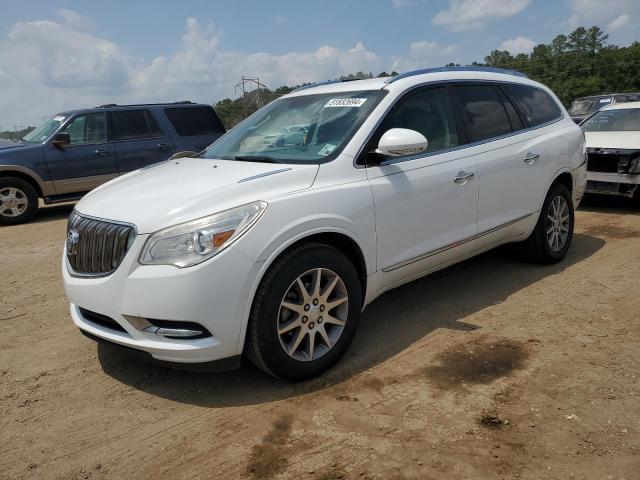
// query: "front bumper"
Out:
[626,178]
[214,294]
[608,183]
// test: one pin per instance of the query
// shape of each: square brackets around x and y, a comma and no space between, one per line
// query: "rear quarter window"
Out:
[536,105]
[194,121]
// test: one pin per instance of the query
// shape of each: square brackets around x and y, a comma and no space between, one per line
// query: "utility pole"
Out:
[245,85]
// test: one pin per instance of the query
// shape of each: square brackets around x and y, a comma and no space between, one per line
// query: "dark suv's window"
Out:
[535,104]
[87,129]
[194,121]
[484,112]
[428,112]
[134,124]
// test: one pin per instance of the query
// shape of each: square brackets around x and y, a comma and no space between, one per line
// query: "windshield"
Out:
[580,107]
[618,120]
[305,129]
[45,130]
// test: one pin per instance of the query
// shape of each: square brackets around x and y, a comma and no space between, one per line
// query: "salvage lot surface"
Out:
[490,369]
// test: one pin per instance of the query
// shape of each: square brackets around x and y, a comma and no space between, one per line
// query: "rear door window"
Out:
[483,111]
[135,124]
[536,105]
[193,121]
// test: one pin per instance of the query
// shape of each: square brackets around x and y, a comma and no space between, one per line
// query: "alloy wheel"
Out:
[557,224]
[13,202]
[313,314]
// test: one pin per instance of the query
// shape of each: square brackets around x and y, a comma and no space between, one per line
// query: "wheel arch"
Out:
[563,176]
[337,238]
[26,175]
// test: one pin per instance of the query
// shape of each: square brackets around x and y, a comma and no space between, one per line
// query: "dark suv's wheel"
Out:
[305,312]
[551,238]
[18,201]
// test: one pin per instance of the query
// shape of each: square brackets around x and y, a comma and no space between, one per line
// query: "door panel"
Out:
[425,204]
[135,154]
[509,188]
[508,162]
[423,216]
[89,161]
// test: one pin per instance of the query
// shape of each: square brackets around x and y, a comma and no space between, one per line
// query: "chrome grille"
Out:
[96,247]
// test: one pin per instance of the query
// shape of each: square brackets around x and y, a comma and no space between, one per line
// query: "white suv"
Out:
[271,244]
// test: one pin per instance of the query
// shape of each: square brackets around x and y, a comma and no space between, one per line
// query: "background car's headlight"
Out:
[194,242]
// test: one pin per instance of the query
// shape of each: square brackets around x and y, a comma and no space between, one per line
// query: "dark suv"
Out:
[74,152]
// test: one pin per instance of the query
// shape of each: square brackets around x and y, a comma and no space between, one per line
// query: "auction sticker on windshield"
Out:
[345,102]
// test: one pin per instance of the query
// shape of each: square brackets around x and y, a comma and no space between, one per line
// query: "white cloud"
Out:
[50,66]
[74,20]
[620,22]
[473,14]
[518,45]
[615,15]
[424,54]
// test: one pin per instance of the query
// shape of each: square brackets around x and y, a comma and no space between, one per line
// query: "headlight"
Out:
[194,242]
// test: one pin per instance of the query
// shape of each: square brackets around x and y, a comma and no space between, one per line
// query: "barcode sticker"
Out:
[345,102]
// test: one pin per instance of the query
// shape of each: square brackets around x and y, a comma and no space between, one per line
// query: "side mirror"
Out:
[61,140]
[186,153]
[398,142]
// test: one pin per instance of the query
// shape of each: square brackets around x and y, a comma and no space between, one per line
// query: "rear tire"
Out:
[297,331]
[551,238]
[18,201]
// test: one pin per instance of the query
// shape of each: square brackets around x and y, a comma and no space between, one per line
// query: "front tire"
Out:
[18,201]
[551,238]
[305,313]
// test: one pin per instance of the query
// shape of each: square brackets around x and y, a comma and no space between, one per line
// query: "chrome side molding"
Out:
[452,245]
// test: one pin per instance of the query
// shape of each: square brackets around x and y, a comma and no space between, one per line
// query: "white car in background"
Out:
[274,250]
[613,149]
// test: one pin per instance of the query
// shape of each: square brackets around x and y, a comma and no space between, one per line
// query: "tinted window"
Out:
[428,112]
[535,104]
[484,111]
[88,129]
[132,124]
[194,121]
[514,118]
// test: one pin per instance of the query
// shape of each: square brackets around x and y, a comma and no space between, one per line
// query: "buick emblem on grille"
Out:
[72,242]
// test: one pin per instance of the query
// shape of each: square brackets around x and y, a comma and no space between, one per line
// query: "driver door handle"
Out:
[162,146]
[462,178]
[99,151]
[530,158]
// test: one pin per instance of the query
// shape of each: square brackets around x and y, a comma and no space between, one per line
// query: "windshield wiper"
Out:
[255,158]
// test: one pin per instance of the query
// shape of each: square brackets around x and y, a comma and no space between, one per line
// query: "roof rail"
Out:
[455,69]
[311,85]
[181,102]
[328,82]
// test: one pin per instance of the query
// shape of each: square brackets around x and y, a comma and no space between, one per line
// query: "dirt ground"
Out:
[491,369]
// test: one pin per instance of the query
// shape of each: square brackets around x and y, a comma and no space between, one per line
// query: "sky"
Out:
[57,55]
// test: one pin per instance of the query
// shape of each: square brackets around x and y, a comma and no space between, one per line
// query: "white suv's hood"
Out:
[181,190]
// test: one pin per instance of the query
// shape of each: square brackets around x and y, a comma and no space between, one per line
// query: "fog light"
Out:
[173,332]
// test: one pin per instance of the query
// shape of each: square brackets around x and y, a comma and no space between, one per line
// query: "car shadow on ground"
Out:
[390,324]
[53,212]
[610,204]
